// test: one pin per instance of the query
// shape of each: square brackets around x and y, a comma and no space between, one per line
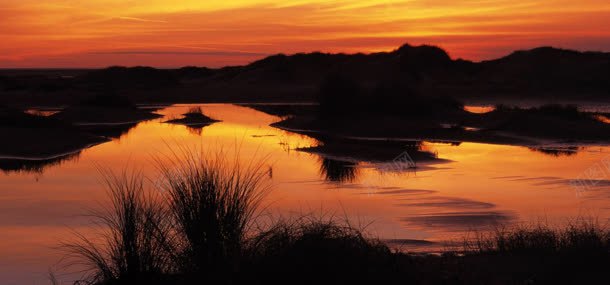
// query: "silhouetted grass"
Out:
[581,237]
[131,242]
[310,250]
[212,202]
[557,151]
[194,111]
[574,254]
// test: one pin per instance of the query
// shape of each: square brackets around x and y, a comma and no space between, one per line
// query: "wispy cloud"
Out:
[139,19]
[206,53]
[247,28]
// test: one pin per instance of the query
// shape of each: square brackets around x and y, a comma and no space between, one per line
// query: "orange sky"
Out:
[164,33]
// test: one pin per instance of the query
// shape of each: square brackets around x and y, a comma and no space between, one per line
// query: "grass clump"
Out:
[200,230]
[194,111]
[320,251]
[575,254]
[581,237]
[194,231]
[212,203]
[130,245]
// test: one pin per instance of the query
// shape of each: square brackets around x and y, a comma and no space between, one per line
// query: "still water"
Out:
[477,186]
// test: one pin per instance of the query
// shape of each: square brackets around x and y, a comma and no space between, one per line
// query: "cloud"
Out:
[203,53]
[140,19]
[467,29]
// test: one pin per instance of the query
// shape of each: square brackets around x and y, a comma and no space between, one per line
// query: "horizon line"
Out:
[297,53]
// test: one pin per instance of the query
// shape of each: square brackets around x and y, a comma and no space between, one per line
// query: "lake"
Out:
[474,187]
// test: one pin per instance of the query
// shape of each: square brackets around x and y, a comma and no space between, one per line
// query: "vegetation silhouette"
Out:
[577,253]
[200,230]
[560,151]
[552,121]
[133,233]
[544,73]
[194,119]
[105,114]
[334,170]
[213,203]
[105,108]
[118,77]
[369,150]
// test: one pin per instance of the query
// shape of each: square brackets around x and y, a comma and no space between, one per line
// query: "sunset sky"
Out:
[163,33]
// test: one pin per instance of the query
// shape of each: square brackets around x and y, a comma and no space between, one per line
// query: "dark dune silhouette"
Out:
[547,69]
[118,77]
[534,74]
[193,72]
[539,74]
[105,109]
[339,96]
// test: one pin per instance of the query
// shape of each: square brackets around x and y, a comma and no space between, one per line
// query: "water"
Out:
[478,186]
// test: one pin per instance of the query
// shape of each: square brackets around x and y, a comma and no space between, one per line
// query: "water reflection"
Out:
[196,130]
[34,165]
[557,151]
[476,186]
[114,131]
[460,221]
[479,109]
[446,202]
[341,159]
[334,170]
[372,150]
[41,112]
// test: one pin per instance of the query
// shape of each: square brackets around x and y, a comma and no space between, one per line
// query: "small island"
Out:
[194,118]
